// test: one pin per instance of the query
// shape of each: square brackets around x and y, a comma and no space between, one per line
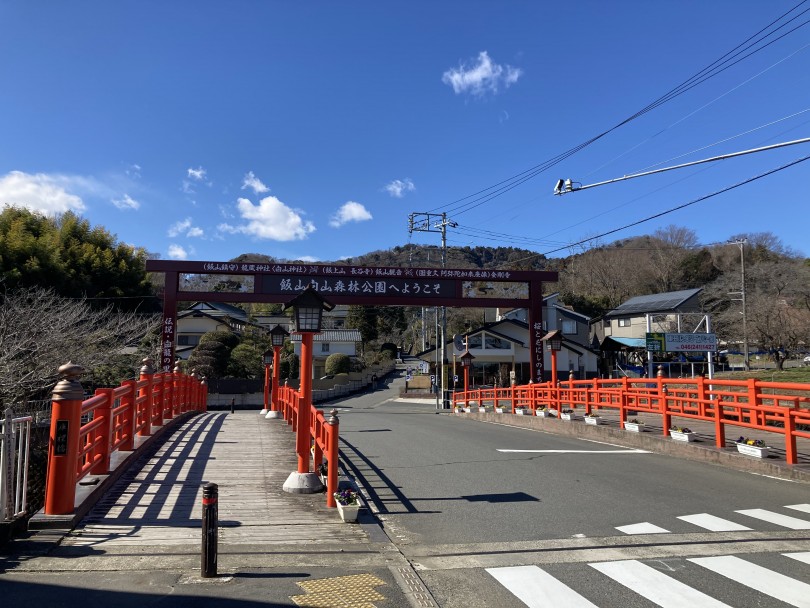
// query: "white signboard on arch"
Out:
[685,343]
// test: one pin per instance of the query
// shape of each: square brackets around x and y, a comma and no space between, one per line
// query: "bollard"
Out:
[208,568]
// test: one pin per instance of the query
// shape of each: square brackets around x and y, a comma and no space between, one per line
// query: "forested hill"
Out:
[425,256]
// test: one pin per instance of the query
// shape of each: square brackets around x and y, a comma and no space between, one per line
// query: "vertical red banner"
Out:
[536,331]
[169,328]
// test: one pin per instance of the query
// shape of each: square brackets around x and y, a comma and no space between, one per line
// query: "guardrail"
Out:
[323,434]
[775,407]
[85,433]
[15,443]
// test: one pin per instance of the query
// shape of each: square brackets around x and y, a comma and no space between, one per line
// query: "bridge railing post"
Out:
[63,442]
[103,434]
[129,416]
[333,423]
[146,394]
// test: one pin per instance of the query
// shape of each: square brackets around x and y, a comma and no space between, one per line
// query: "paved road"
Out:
[588,523]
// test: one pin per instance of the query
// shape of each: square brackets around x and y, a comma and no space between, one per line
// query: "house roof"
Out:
[220,308]
[333,335]
[659,302]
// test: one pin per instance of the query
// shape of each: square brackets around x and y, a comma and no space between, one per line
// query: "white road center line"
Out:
[628,451]
[802,557]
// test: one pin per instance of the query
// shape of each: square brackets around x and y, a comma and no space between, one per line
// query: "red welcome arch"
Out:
[362,285]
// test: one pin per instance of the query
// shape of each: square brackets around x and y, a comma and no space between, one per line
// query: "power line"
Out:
[487,194]
[673,209]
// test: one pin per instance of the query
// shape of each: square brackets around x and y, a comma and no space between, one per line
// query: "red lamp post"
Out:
[277,336]
[553,340]
[466,363]
[308,307]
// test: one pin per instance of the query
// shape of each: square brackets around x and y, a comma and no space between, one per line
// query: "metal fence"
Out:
[15,442]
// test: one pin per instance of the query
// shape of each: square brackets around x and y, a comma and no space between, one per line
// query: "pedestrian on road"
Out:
[233,404]
[374,382]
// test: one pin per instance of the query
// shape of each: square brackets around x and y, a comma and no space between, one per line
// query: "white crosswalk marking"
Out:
[537,588]
[786,521]
[804,507]
[656,586]
[802,557]
[712,523]
[779,586]
[642,528]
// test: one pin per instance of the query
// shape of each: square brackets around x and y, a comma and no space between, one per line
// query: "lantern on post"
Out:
[466,363]
[553,340]
[277,336]
[308,309]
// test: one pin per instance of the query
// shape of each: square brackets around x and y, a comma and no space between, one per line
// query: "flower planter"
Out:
[634,427]
[544,414]
[678,436]
[569,417]
[593,420]
[459,410]
[482,410]
[753,450]
[499,410]
[348,513]
[520,411]
[466,410]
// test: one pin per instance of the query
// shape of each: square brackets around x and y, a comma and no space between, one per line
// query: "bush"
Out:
[338,363]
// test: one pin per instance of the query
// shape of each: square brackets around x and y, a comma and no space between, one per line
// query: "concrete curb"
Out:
[653,442]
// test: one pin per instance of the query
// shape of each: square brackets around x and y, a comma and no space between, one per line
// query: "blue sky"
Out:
[310,130]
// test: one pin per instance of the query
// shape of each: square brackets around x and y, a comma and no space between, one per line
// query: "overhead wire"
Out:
[485,195]
[673,209]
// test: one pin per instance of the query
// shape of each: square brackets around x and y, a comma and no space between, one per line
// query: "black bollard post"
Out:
[233,404]
[209,530]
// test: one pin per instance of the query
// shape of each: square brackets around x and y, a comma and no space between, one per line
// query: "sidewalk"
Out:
[141,544]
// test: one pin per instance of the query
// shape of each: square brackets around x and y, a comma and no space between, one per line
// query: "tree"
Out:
[364,319]
[246,361]
[72,258]
[338,363]
[40,331]
[210,357]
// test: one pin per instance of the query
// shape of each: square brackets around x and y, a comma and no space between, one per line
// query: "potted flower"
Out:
[634,426]
[753,447]
[348,504]
[568,414]
[544,412]
[593,419]
[521,410]
[681,433]
[482,409]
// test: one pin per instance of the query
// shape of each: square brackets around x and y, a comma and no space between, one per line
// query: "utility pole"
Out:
[434,222]
[741,245]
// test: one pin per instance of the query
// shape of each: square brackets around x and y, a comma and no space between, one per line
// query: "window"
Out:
[495,342]
[625,322]
[186,340]
[325,347]
[569,327]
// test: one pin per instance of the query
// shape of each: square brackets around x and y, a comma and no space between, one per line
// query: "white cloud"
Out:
[482,77]
[270,219]
[309,258]
[253,182]
[399,187]
[197,174]
[350,212]
[43,193]
[176,252]
[184,227]
[126,203]
[133,171]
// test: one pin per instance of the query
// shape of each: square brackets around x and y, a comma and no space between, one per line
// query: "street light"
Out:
[308,307]
[277,336]
[553,340]
[466,362]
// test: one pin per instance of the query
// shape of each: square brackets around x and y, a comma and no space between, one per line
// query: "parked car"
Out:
[806,360]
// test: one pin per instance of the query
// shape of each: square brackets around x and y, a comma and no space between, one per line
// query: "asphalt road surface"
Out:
[493,515]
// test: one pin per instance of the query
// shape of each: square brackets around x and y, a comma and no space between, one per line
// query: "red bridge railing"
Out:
[323,432]
[776,407]
[85,433]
